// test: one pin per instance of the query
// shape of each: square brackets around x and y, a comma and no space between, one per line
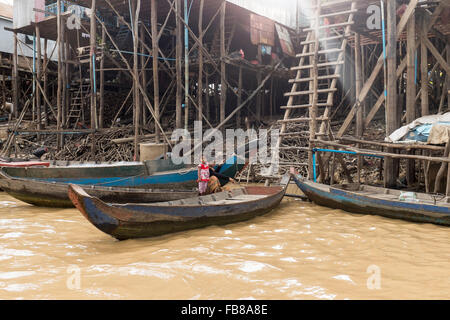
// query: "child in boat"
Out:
[208,179]
[203,176]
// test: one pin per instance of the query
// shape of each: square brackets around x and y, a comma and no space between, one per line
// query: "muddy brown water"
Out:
[298,251]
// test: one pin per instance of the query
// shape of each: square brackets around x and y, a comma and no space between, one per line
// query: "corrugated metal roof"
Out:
[282,11]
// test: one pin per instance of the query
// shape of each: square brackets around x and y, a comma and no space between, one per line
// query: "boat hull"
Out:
[47,194]
[59,172]
[137,221]
[356,203]
[177,179]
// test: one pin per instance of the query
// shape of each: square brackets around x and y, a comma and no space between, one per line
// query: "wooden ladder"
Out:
[77,103]
[319,68]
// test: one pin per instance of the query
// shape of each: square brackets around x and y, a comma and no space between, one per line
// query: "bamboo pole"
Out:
[15,79]
[101,115]
[223,86]
[155,46]
[137,106]
[38,77]
[239,99]
[179,52]
[358,85]
[411,88]
[200,62]
[93,58]
[45,73]
[59,89]
[424,79]
[392,119]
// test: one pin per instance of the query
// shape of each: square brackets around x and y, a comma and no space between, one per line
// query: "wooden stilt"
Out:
[200,63]
[101,116]
[137,95]
[358,85]
[411,88]
[38,78]
[179,52]
[15,79]
[155,47]
[223,86]
[392,121]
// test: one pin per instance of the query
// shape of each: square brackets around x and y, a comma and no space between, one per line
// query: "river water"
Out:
[298,251]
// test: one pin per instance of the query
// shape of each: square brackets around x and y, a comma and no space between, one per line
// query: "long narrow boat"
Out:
[170,185]
[377,201]
[149,220]
[175,179]
[54,194]
[84,170]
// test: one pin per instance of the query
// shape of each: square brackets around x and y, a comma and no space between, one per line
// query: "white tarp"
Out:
[423,126]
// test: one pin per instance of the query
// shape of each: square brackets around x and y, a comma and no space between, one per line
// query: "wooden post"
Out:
[442,170]
[223,87]
[38,77]
[314,86]
[15,79]
[207,97]
[239,99]
[4,88]
[424,77]
[179,53]
[155,47]
[102,84]
[59,89]
[391,101]
[258,83]
[411,88]
[448,75]
[200,63]
[45,110]
[93,38]
[65,69]
[137,96]
[358,86]
[144,75]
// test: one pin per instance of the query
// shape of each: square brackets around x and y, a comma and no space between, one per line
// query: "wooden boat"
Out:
[84,170]
[149,220]
[54,194]
[377,201]
[175,179]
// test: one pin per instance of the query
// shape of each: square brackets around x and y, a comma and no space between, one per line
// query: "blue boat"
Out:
[421,207]
[182,178]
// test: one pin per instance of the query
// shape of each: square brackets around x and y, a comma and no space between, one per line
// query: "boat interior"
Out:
[233,196]
[392,194]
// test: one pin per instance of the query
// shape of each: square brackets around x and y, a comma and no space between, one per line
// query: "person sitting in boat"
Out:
[203,176]
[209,180]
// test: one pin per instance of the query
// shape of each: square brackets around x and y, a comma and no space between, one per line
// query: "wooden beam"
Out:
[436,54]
